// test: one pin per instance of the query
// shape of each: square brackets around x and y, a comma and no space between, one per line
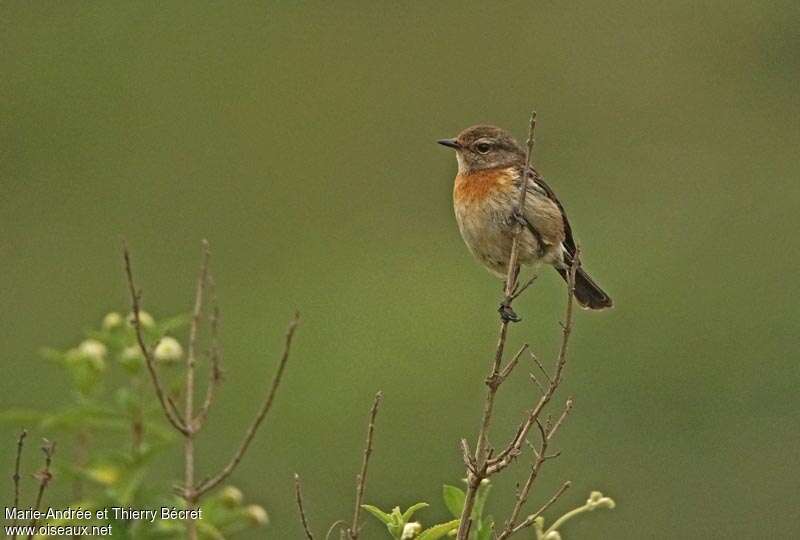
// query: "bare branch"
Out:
[169,411]
[513,449]
[212,482]
[299,498]
[338,523]
[44,476]
[175,410]
[16,476]
[188,411]
[534,379]
[522,289]
[191,353]
[567,409]
[361,479]
[494,379]
[468,461]
[215,358]
[530,519]
[524,491]
[513,363]
[541,367]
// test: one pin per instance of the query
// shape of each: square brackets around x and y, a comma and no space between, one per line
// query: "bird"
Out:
[486,194]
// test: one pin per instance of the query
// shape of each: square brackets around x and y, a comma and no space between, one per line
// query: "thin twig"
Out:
[546,433]
[530,519]
[541,367]
[44,476]
[137,418]
[16,477]
[298,494]
[522,289]
[176,411]
[513,363]
[215,358]
[188,412]
[212,482]
[535,380]
[567,409]
[361,479]
[169,410]
[524,491]
[493,381]
[338,523]
[513,449]
[191,353]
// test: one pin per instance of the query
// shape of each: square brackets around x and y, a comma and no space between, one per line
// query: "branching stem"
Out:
[361,479]
[44,476]
[298,493]
[16,478]
[477,465]
[169,409]
[226,471]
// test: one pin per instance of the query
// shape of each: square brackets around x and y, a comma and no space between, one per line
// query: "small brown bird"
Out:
[485,197]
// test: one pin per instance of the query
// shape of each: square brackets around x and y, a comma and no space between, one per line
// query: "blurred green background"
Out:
[299,139]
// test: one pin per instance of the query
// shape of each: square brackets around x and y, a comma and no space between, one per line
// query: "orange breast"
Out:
[480,185]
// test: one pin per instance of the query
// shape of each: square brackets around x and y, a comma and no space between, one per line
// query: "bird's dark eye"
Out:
[483,147]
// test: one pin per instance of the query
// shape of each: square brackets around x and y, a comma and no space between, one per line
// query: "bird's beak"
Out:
[452,143]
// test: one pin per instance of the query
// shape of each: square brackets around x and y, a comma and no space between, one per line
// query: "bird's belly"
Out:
[488,232]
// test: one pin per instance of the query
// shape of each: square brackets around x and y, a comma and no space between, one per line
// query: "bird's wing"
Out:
[569,241]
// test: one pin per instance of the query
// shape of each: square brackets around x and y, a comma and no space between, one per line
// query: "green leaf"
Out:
[397,516]
[439,531]
[485,531]
[453,499]
[480,499]
[410,512]
[385,518]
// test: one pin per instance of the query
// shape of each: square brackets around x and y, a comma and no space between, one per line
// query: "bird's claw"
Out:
[517,216]
[507,314]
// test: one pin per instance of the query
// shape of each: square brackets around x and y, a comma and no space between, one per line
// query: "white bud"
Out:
[168,350]
[552,535]
[608,502]
[594,496]
[598,500]
[93,349]
[256,514]
[145,318]
[112,320]
[411,530]
[231,496]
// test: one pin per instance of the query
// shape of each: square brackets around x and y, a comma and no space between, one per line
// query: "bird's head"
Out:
[485,147]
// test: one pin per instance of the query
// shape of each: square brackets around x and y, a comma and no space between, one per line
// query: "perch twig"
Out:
[44,476]
[361,479]
[16,477]
[476,464]
[299,498]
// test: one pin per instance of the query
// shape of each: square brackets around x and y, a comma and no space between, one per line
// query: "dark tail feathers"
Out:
[588,293]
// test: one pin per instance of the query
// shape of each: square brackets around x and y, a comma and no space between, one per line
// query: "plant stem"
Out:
[476,471]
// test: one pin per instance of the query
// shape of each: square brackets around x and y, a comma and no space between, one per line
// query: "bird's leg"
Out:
[516,214]
[505,310]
